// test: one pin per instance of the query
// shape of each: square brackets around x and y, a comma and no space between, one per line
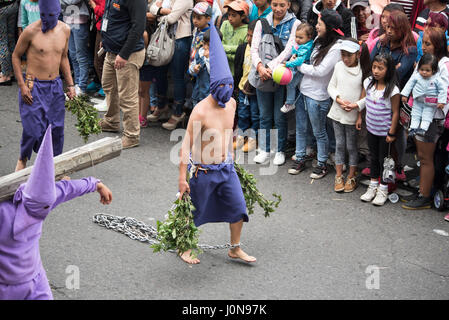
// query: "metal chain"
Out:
[137,230]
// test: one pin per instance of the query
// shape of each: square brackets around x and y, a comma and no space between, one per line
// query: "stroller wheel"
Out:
[438,200]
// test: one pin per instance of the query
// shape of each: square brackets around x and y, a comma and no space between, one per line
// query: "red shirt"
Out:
[99,11]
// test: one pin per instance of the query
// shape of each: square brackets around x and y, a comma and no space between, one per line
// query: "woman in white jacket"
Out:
[314,101]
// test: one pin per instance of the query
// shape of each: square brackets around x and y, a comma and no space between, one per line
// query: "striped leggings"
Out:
[8,16]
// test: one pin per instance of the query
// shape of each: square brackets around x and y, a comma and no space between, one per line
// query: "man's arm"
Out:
[137,11]
[21,47]
[65,65]
[187,143]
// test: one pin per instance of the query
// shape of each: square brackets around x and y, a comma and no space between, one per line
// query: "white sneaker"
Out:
[279,159]
[381,197]
[369,195]
[78,90]
[286,108]
[102,106]
[262,157]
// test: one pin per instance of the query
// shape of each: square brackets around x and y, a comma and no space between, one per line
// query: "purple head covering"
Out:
[220,74]
[40,190]
[49,11]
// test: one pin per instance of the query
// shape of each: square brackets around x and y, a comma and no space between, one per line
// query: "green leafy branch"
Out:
[87,115]
[178,231]
[253,195]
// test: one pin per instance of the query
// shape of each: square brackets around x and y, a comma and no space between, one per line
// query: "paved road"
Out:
[318,245]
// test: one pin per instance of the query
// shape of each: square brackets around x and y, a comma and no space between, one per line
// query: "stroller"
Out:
[441,197]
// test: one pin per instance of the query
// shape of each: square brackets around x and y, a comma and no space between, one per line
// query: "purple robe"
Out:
[22,276]
[48,108]
[217,194]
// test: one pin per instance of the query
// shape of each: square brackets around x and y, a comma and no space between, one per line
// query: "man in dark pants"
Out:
[122,39]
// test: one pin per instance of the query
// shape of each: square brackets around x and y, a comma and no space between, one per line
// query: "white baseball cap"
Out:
[349,46]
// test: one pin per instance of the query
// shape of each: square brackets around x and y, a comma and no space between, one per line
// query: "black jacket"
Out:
[238,63]
[349,27]
[125,26]
[302,8]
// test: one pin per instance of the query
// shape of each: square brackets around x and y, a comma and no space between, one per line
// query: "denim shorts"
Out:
[434,132]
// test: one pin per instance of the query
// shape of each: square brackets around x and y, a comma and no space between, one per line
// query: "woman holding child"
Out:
[314,101]
[282,23]
[434,42]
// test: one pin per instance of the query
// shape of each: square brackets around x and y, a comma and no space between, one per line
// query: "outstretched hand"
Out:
[105,193]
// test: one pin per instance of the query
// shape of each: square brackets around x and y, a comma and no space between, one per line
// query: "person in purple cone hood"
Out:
[214,186]
[221,80]
[22,276]
[49,11]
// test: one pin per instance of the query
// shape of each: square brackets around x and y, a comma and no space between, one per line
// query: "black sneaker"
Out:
[409,198]
[419,203]
[311,156]
[297,167]
[319,172]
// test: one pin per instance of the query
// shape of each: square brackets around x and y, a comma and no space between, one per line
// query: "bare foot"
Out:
[21,164]
[65,178]
[238,253]
[186,257]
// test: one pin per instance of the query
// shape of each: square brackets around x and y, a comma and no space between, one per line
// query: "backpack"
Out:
[161,48]
[269,48]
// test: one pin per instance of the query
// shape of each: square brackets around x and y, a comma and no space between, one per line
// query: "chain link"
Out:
[137,230]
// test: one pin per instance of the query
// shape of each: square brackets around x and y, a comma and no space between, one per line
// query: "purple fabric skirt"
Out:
[217,195]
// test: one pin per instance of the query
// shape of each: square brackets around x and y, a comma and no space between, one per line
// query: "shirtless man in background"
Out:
[41,93]
[214,186]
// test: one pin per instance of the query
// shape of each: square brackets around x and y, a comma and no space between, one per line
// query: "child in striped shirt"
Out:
[382,98]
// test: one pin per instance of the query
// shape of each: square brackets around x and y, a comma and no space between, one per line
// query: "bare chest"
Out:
[44,45]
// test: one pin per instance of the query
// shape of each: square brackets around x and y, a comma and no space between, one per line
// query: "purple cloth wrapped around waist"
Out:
[217,194]
[48,107]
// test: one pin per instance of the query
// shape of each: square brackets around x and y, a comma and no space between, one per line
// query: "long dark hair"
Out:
[390,76]
[439,42]
[324,44]
[402,26]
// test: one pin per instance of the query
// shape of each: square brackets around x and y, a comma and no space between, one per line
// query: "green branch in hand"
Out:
[253,195]
[87,115]
[178,231]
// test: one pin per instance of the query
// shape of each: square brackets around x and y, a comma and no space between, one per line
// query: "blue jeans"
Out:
[270,104]
[153,95]
[248,115]
[315,111]
[201,86]
[79,53]
[291,87]
[179,66]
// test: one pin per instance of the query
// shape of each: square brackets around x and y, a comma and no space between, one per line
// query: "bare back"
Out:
[216,130]
[44,51]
